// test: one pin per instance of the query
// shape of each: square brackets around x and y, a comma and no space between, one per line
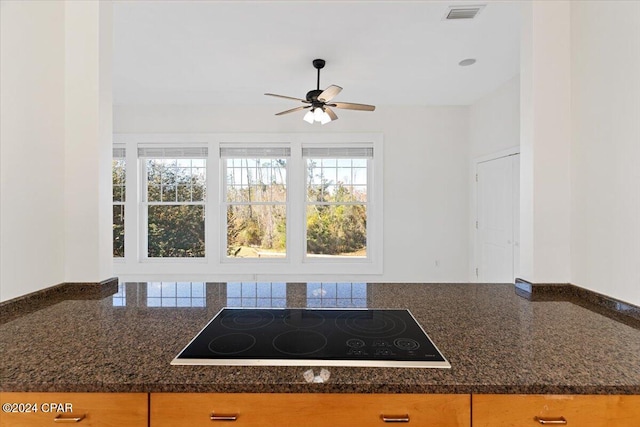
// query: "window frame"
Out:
[224,204]
[145,204]
[307,203]
[212,267]
[119,153]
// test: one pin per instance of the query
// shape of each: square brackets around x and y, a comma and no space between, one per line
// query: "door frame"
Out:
[473,212]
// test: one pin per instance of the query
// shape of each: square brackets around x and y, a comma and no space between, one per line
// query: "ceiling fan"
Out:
[320,101]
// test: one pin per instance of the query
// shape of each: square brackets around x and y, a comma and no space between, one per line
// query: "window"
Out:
[336,201]
[243,205]
[118,175]
[255,201]
[174,198]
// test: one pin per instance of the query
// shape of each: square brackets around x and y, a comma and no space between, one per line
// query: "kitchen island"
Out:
[497,342]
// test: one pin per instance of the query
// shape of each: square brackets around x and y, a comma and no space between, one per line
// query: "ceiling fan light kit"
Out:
[319,101]
[309,117]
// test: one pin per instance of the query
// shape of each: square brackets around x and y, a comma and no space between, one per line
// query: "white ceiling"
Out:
[380,52]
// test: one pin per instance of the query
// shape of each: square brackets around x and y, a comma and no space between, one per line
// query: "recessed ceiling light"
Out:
[467,62]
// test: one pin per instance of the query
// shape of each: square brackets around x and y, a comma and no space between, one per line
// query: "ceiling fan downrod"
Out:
[318,64]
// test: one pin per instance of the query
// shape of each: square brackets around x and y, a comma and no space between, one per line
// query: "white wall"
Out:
[425,173]
[32,136]
[55,144]
[88,122]
[494,120]
[605,215]
[545,142]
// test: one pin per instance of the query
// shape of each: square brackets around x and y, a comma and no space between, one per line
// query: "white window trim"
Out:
[370,233]
[224,259]
[211,267]
[144,203]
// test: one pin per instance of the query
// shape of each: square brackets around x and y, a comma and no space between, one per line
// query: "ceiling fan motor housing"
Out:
[312,96]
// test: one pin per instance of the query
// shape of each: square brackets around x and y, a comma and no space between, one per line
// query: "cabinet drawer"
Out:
[308,410]
[89,409]
[533,410]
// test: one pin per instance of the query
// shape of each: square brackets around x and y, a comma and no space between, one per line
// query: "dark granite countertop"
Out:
[495,340]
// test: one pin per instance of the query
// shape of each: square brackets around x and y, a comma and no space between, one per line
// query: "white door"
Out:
[497,216]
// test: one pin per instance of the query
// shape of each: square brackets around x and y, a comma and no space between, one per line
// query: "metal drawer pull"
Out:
[223,417]
[395,418]
[61,419]
[558,420]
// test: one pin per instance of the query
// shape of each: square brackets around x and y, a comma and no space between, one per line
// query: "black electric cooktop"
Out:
[313,337]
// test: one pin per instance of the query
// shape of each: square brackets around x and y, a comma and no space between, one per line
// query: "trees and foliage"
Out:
[118,178]
[336,230]
[256,217]
[260,227]
[118,231]
[176,213]
[256,207]
[336,217]
[176,231]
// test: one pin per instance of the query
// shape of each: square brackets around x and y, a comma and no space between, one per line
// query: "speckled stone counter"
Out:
[496,342]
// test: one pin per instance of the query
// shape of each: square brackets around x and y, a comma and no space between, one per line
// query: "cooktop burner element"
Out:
[313,337]
[363,324]
[247,319]
[232,343]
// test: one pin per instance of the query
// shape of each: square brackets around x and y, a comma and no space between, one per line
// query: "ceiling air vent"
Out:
[463,12]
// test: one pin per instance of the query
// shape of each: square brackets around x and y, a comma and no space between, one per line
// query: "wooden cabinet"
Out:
[83,409]
[308,410]
[316,410]
[555,410]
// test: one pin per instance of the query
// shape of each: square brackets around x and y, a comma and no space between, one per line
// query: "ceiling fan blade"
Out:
[329,93]
[352,106]
[288,97]
[331,114]
[293,110]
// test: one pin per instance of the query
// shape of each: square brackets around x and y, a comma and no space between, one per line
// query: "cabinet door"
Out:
[82,409]
[308,410]
[555,410]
